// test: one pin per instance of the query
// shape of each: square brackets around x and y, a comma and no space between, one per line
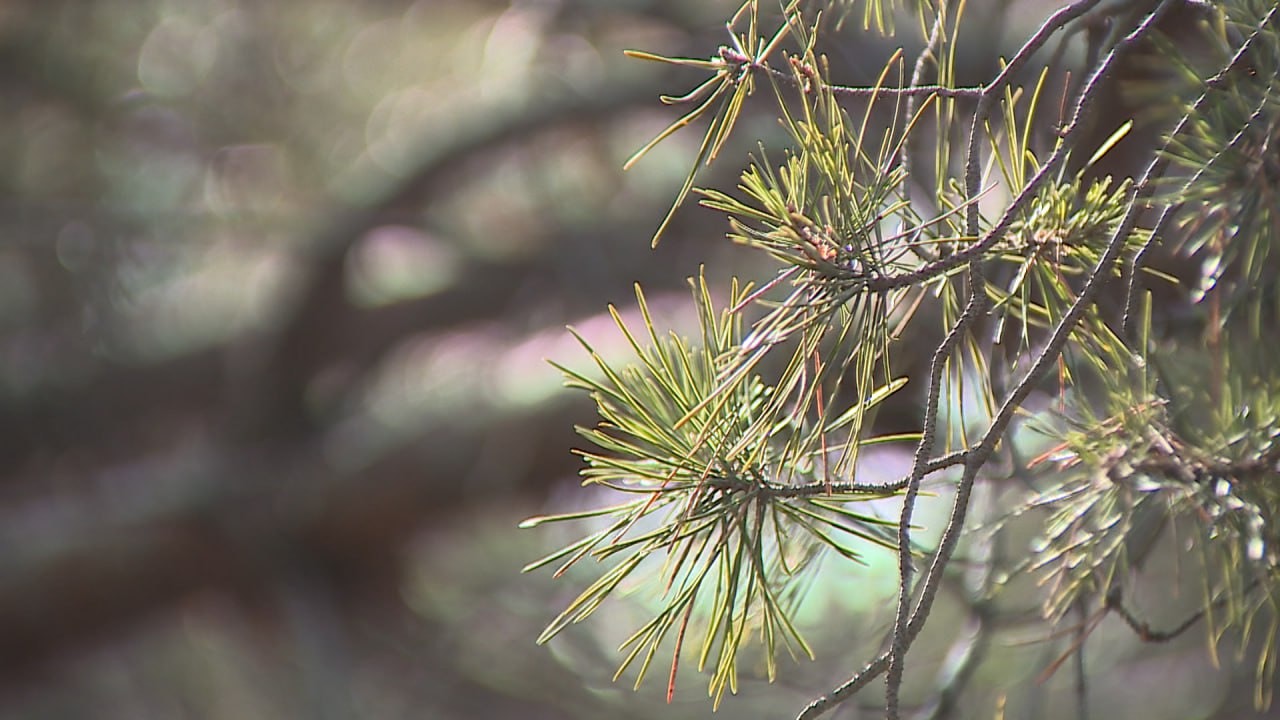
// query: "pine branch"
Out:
[707,435]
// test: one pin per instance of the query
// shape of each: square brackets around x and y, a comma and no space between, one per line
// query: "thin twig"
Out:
[822,488]
[974,307]
[740,61]
[1212,84]
[977,457]
[924,449]
[930,52]
[1048,356]
[1082,680]
[1115,603]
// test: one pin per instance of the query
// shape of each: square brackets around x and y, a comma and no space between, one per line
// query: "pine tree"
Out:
[1101,330]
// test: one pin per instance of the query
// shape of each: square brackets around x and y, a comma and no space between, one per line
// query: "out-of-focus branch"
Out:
[275,502]
[276,387]
[322,330]
[258,515]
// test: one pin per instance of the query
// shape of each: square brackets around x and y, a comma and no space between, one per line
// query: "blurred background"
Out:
[277,286]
